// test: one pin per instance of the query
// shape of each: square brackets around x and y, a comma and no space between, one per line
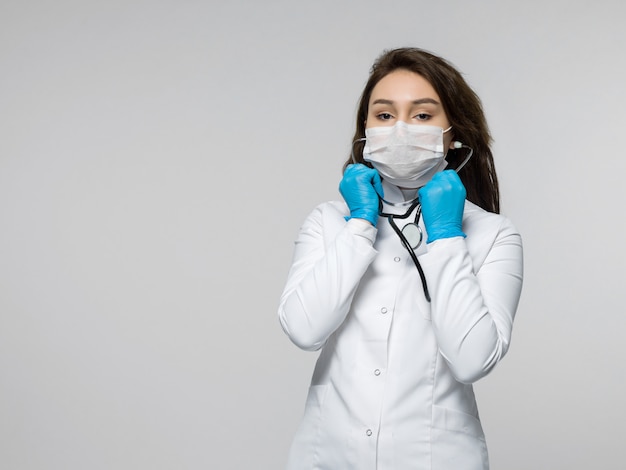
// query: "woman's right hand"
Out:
[360,187]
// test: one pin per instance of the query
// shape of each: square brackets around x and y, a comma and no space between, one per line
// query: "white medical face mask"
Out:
[405,155]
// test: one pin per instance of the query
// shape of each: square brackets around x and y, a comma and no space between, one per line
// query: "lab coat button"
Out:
[383,310]
[397,259]
[368,432]
[377,372]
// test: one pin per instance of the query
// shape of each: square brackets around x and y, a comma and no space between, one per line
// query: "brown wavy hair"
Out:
[463,109]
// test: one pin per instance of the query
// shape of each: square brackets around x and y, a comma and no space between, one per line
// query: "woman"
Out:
[405,326]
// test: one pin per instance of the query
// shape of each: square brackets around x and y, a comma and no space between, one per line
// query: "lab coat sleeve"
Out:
[472,312]
[330,257]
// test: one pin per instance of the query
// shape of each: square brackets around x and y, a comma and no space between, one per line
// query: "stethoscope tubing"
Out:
[405,242]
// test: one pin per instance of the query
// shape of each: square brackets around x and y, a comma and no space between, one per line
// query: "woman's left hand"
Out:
[443,200]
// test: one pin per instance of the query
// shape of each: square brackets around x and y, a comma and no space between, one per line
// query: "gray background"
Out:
[157,158]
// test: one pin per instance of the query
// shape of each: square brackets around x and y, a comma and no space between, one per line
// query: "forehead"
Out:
[403,85]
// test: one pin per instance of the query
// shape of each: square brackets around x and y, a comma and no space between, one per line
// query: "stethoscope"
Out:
[411,235]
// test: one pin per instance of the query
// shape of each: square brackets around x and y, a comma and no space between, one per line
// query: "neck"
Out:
[408,194]
[399,197]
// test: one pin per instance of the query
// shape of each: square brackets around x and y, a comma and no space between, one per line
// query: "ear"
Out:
[451,145]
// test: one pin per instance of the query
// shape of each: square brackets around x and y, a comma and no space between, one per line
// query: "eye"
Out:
[384,116]
[422,117]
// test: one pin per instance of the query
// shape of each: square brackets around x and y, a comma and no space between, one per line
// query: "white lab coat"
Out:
[392,385]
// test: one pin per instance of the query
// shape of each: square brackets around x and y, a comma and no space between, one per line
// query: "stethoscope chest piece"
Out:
[413,234]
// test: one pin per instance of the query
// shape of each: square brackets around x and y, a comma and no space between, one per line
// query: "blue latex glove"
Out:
[360,187]
[443,200]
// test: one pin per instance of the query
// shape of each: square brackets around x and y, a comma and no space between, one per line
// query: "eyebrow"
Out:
[420,101]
